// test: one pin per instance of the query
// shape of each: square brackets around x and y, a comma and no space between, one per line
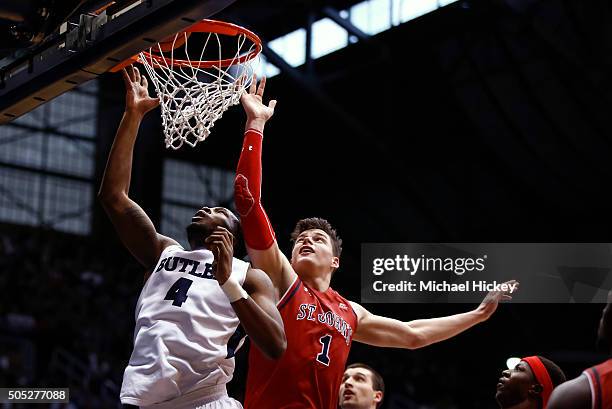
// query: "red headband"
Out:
[541,374]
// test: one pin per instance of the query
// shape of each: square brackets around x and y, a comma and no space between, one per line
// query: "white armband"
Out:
[233,290]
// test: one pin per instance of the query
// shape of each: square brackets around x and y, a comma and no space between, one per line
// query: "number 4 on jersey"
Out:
[323,357]
[178,292]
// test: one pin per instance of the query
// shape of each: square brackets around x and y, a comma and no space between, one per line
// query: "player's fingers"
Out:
[229,240]
[506,298]
[218,237]
[511,282]
[227,233]
[216,245]
[144,82]
[215,240]
[241,81]
[125,76]
[213,237]
[223,230]
[136,74]
[218,233]
[261,87]
[130,72]
[225,236]
[272,104]
[225,248]
[253,87]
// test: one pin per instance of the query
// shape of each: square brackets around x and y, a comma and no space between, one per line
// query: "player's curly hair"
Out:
[321,224]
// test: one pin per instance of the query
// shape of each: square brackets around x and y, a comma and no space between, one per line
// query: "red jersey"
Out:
[600,381]
[319,328]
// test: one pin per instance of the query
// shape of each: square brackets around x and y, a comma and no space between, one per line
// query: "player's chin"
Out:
[306,263]
[199,228]
[500,394]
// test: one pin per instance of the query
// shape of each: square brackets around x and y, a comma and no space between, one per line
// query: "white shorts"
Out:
[205,398]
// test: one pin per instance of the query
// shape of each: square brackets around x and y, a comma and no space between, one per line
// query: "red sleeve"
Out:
[256,227]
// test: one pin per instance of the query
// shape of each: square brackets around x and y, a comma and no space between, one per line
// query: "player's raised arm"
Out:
[258,233]
[387,332]
[254,302]
[134,227]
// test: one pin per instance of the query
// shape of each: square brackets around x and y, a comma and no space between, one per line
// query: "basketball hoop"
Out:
[194,93]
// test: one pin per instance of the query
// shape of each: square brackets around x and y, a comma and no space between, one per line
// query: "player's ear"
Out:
[335,262]
[378,395]
[535,390]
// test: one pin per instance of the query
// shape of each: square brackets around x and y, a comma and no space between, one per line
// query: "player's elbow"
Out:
[277,346]
[110,199]
[416,339]
[105,196]
[275,350]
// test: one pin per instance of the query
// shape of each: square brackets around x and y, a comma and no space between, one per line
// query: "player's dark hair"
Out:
[321,224]
[557,376]
[378,384]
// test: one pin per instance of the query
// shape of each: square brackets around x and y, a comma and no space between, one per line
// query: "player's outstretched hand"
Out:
[252,101]
[137,97]
[221,243]
[489,305]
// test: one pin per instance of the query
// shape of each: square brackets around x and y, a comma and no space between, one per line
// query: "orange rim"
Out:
[210,26]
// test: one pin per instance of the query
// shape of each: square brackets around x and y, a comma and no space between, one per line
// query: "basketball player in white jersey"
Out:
[192,302]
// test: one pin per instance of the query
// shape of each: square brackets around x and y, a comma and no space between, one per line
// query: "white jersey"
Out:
[186,330]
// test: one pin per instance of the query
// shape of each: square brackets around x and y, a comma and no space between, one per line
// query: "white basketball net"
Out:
[192,98]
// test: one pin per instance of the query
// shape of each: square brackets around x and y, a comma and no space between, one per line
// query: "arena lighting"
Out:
[512,362]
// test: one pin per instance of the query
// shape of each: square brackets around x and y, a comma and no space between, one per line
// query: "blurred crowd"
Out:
[66,315]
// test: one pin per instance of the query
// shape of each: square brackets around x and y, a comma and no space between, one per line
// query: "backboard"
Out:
[81,52]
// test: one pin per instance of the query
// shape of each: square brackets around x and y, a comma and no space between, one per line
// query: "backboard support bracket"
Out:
[88,50]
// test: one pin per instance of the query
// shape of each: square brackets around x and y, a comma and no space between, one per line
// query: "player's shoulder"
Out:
[172,246]
[253,273]
[343,303]
[338,295]
[604,367]
[575,393]
[332,293]
[166,242]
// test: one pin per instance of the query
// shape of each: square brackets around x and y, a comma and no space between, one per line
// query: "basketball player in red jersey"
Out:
[320,324]
[592,389]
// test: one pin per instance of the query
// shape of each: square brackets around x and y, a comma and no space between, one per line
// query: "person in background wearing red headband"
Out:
[529,384]
[593,388]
